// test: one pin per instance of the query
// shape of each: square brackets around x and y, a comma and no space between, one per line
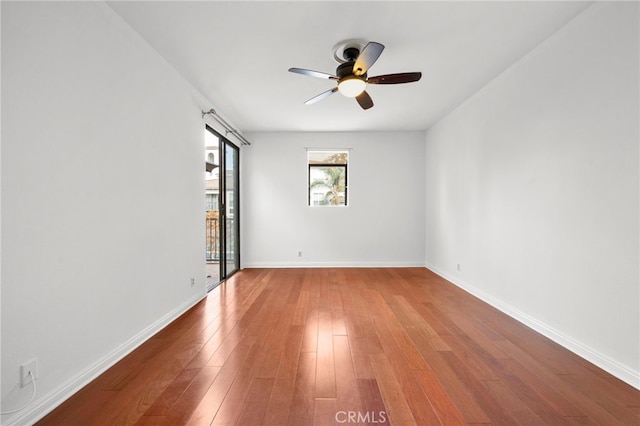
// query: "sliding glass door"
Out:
[222,216]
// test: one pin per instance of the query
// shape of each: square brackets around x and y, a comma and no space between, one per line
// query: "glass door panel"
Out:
[212,208]
[232,258]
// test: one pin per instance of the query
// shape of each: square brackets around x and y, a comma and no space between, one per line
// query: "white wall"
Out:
[382,225]
[102,195]
[532,188]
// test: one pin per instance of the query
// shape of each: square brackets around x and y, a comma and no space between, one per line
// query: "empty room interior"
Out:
[199,226]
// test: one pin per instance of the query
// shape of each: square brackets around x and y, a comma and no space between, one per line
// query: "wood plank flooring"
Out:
[375,346]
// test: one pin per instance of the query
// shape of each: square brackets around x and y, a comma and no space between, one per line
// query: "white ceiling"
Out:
[237,54]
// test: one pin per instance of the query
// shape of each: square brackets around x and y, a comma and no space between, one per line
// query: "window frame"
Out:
[311,166]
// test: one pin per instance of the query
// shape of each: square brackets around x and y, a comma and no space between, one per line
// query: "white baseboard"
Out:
[250,265]
[611,366]
[47,403]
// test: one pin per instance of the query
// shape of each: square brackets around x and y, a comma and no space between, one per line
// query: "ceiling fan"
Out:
[352,74]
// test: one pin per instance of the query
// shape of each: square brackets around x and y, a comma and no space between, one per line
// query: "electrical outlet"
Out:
[299,254]
[193,282]
[30,366]
[459,267]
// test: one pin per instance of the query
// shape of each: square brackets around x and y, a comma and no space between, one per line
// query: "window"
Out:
[212,201]
[327,177]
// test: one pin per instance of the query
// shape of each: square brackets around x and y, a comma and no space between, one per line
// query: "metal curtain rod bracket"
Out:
[211,111]
[227,127]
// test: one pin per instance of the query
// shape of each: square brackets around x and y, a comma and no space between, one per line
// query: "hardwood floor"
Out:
[346,346]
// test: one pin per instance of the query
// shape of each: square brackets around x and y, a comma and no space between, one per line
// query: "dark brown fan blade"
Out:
[321,96]
[405,77]
[364,100]
[311,73]
[367,57]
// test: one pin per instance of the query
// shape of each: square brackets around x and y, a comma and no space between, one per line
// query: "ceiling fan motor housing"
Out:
[346,69]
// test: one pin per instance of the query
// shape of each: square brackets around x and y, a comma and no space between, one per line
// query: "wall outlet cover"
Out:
[29,366]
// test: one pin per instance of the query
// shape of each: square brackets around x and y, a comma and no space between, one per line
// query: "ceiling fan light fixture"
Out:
[351,86]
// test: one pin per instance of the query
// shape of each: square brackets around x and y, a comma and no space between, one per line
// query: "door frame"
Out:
[223,144]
